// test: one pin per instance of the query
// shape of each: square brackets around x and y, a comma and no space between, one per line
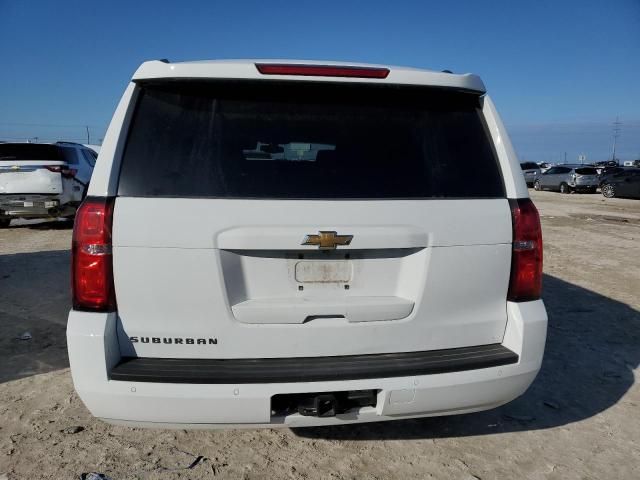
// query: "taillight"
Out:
[92,265]
[526,262]
[322,70]
[66,172]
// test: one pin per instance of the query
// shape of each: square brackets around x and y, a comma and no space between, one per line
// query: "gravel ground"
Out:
[579,420]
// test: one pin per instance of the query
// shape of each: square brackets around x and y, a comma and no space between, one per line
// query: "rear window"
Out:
[29,151]
[70,155]
[529,166]
[586,171]
[89,156]
[306,140]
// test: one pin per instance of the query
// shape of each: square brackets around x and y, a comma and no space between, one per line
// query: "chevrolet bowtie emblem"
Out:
[327,240]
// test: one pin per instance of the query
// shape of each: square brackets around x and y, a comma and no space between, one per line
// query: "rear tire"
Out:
[608,190]
[4,222]
[536,186]
[564,188]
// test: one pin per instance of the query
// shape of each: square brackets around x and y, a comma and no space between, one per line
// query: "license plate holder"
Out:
[323,271]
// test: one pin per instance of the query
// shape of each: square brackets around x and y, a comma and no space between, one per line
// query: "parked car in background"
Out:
[41,180]
[568,178]
[304,244]
[95,148]
[604,165]
[544,166]
[623,184]
[531,172]
[609,172]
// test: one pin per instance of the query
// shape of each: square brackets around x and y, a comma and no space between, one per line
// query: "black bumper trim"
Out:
[310,369]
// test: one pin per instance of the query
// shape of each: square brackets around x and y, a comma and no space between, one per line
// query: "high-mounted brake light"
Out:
[92,264]
[322,70]
[526,261]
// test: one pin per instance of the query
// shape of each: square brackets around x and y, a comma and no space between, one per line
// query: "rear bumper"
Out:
[94,352]
[29,206]
[584,186]
[310,369]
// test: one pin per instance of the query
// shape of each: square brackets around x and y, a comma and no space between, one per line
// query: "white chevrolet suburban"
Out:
[303,243]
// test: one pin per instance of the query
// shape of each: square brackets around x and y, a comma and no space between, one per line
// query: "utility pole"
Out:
[565,157]
[88,136]
[616,133]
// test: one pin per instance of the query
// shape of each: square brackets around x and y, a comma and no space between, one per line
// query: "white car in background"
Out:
[531,172]
[95,148]
[43,180]
[303,243]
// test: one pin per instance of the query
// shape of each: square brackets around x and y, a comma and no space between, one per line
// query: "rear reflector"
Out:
[322,70]
[526,262]
[92,265]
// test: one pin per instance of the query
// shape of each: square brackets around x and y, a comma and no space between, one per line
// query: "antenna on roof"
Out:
[164,60]
[447,71]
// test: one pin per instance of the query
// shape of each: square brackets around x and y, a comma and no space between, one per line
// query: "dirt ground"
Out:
[579,420]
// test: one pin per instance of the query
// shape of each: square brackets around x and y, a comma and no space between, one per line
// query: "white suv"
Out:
[41,180]
[302,243]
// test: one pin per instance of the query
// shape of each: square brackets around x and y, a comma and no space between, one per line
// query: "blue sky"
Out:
[559,71]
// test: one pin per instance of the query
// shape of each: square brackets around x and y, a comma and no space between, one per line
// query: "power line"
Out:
[617,127]
[52,125]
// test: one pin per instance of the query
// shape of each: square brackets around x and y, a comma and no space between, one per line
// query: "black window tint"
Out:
[563,170]
[29,151]
[586,171]
[89,157]
[529,166]
[271,140]
[552,171]
[70,155]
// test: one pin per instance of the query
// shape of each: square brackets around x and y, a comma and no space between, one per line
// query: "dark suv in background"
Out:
[622,184]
